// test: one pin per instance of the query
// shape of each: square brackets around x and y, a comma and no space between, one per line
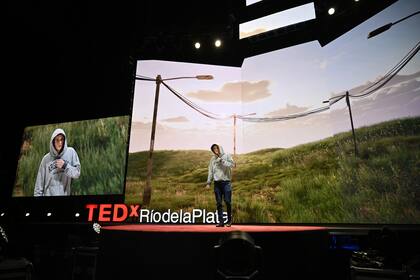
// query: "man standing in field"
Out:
[220,171]
[57,168]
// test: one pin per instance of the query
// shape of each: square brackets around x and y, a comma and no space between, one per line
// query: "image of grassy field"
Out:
[101,145]
[319,182]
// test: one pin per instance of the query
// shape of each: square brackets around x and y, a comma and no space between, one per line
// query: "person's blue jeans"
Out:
[223,191]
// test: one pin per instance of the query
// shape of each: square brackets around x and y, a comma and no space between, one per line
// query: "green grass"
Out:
[100,144]
[318,182]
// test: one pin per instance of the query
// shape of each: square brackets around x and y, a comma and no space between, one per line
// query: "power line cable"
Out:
[386,79]
[195,106]
[285,118]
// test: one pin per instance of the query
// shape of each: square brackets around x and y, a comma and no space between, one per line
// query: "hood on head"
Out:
[220,149]
[53,152]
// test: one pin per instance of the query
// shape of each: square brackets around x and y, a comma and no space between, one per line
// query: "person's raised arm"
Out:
[227,161]
[73,169]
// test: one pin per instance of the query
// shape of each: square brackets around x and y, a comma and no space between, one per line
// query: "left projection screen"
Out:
[77,158]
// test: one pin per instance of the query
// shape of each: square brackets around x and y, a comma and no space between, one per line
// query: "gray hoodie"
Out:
[220,168]
[51,180]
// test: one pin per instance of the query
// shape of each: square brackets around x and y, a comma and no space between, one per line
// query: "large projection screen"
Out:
[285,120]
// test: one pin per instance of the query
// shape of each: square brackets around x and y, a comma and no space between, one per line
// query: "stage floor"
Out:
[211,228]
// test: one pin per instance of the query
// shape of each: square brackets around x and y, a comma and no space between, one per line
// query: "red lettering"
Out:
[112,212]
[124,209]
[103,212]
[91,208]
[134,210]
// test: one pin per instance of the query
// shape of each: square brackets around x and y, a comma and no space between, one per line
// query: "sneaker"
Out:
[220,225]
[228,224]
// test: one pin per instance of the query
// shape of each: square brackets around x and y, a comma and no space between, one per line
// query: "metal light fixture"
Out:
[385,27]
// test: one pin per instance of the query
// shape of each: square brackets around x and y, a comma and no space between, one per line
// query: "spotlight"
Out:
[217,43]
[331,11]
[238,257]
[197,45]
[49,214]
[27,214]
[2,214]
[77,215]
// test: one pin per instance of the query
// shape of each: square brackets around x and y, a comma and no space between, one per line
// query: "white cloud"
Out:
[176,119]
[241,91]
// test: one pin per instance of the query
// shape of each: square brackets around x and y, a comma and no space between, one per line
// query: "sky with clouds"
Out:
[281,82]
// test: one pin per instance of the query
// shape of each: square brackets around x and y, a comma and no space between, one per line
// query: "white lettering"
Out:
[156,217]
[197,213]
[174,218]
[195,216]
[144,214]
[166,216]
[187,218]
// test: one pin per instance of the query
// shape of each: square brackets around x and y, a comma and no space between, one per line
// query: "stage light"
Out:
[3,234]
[77,215]
[238,257]
[97,228]
[49,214]
[27,214]
[217,43]
[197,45]
[2,214]
[331,11]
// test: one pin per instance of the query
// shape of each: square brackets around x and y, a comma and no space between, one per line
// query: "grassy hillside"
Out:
[321,182]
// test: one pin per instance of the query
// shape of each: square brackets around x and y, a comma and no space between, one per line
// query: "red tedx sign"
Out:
[112,212]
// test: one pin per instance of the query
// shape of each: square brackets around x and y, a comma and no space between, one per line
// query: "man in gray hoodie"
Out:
[57,168]
[220,171]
